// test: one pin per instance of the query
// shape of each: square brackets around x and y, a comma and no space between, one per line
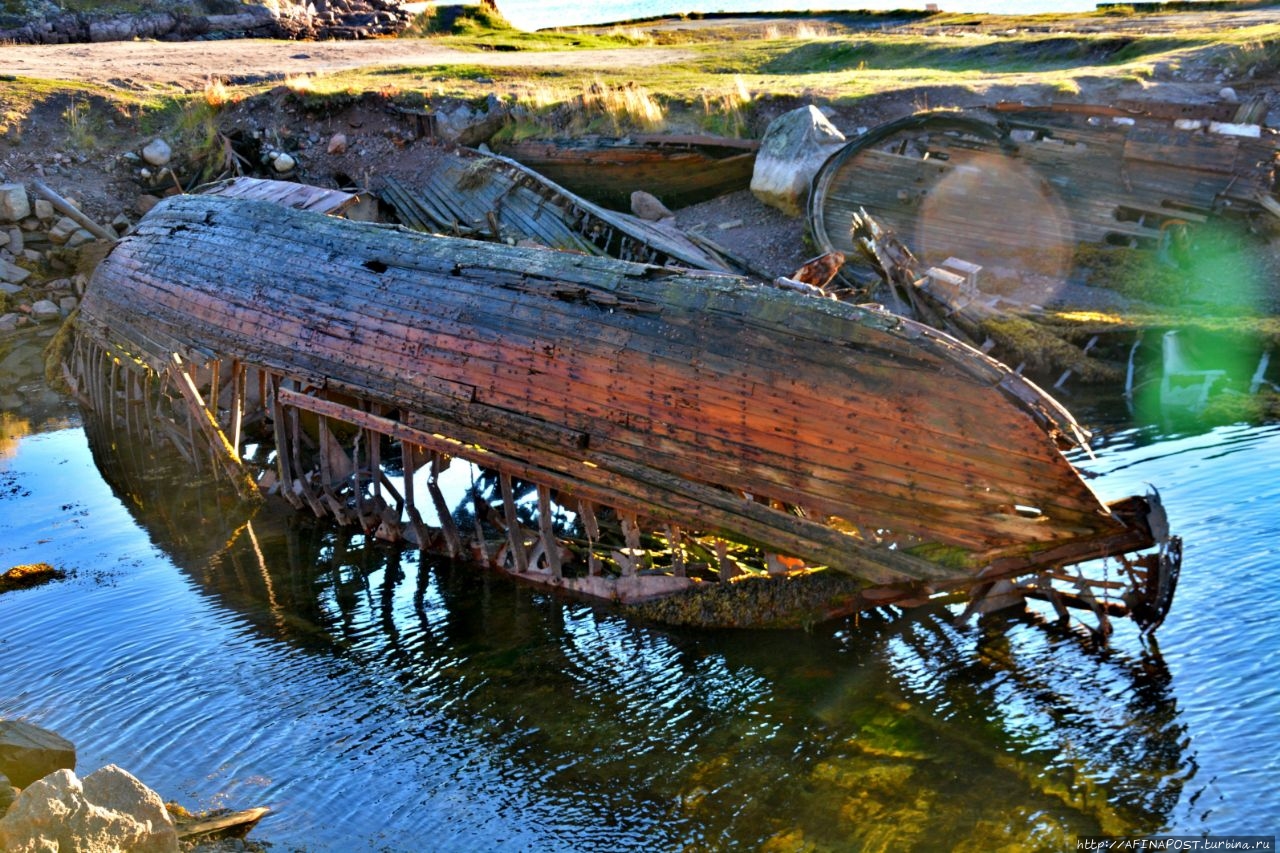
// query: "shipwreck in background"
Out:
[1019,186]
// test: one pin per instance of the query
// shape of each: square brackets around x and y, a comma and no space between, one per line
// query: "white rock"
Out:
[16,243]
[118,790]
[157,153]
[1229,95]
[8,322]
[45,310]
[1227,128]
[62,229]
[12,273]
[79,237]
[337,144]
[14,204]
[795,145]
[109,812]
[282,162]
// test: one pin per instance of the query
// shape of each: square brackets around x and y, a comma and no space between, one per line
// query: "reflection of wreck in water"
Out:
[887,728]
[670,429]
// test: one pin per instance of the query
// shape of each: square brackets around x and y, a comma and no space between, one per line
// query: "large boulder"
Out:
[108,812]
[29,752]
[795,146]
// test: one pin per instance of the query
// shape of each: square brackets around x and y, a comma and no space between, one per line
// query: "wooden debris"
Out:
[470,194]
[286,193]
[221,824]
[68,209]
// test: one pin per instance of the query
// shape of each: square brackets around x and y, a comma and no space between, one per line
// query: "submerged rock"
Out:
[29,574]
[109,811]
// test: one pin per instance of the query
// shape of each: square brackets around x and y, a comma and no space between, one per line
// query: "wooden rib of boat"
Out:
[1023,185]
[466,193]
[679,170]
[674,432]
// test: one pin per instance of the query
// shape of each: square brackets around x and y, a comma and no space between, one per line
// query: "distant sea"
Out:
[539,14]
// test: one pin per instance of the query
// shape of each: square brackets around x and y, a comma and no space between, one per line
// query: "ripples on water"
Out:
[378,702]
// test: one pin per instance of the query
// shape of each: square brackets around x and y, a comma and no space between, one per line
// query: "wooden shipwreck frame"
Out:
[678,169]
[467,193]
[1016,185]
[668,439]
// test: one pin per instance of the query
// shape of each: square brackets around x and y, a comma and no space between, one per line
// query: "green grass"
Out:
[989,55]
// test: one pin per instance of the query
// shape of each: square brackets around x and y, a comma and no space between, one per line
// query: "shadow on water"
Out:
[476,712]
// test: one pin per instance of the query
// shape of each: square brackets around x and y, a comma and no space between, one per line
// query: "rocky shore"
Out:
[44,805]
[44,258]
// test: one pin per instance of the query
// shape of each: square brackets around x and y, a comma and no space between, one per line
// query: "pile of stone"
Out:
[315,20]
[40,253]
[71,28]
[343,19]
[44,806]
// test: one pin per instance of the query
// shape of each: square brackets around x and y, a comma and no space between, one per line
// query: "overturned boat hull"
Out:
[703,415]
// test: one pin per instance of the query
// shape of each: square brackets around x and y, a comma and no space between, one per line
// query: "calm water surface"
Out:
[379,701]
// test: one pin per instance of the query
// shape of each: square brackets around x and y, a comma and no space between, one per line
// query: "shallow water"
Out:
[376,701]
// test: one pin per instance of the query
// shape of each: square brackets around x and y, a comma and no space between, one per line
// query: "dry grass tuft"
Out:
[801,31]
[725,113]
[627,105]
[216,94]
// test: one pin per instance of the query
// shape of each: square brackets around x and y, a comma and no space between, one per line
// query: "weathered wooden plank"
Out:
[287,193]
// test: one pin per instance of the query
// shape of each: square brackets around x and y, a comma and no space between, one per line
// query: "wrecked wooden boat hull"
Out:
[1018,187]
[466,193]
[678,170]
[669,427]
